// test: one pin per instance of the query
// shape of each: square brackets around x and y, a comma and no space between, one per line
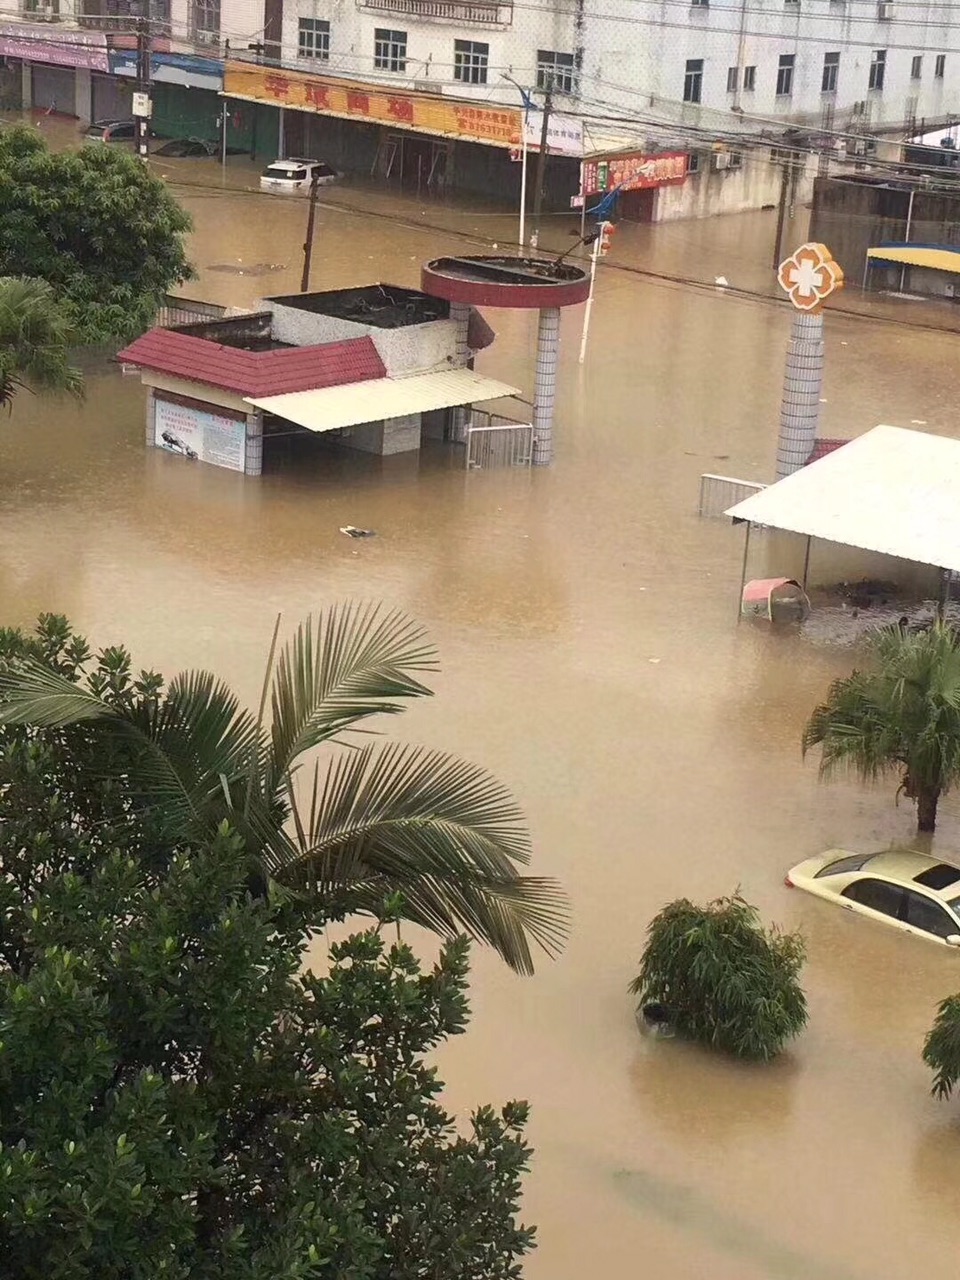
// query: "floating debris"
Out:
[352,531]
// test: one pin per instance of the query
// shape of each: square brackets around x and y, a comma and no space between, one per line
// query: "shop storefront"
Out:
[187,103]
[637,177]
[416,139]
[56,74]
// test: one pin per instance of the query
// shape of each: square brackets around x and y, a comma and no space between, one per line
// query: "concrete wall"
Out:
[395,435]
[413,348]
[194,390]
[754,185]
[851,216]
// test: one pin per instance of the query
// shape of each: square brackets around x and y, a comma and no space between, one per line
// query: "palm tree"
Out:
[375,820]
[34,338]
[903,716]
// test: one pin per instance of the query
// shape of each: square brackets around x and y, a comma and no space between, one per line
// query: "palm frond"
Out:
[351,662]
[443,834]
[33,694]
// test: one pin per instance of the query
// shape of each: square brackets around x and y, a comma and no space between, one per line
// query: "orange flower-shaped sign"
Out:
[810,276]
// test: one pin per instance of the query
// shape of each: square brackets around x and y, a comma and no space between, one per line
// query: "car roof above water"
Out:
[904,865]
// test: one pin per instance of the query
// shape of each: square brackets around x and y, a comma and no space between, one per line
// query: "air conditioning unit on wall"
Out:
[719,161]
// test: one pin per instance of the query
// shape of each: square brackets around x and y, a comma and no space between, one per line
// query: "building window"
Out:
[940,66]
[831,69]
[878,67]
[470,59]
[693,162]
[389,50]
[699,4]
[733,79]
[785,75]
[916,68]
[206,20]
[693,80]
[735,160]
[313,38]
[556,71]
[749,79]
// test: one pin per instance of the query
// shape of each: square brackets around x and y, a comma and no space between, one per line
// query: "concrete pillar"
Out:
[394,435]
[83,94]
[545,386]
[151,418]
[802,386]
[253,457]
[460,315]
[26,84]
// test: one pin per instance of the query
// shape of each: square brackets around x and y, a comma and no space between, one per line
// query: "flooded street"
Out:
[586,620]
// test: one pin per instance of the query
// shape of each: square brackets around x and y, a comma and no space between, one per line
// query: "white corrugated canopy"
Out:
[328,408]
[891,490]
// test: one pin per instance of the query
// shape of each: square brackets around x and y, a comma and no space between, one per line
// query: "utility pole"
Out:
[141,101]
[541,165]
[785,173]
[308,243]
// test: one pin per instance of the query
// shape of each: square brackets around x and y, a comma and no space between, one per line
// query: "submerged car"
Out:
[187,147]
[902,887]
[111,131]
[296,176]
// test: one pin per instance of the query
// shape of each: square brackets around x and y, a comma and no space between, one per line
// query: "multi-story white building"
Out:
[428,91]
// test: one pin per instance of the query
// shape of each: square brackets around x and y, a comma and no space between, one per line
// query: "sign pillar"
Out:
[545,385]
[809,276]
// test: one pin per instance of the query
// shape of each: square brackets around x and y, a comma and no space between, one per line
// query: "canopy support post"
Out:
[806,562]
[743,571]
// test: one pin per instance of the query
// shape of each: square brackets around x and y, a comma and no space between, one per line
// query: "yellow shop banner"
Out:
[403,109]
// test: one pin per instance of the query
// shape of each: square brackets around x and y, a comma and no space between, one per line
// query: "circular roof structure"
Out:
[500,281]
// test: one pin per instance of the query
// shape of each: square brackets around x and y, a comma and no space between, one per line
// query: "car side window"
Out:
[879,895]
[929,916]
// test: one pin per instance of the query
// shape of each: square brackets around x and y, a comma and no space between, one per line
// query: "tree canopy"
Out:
[902,715]
[374,819]
[34,340]
[722,978]
[179,1098]
[97,226]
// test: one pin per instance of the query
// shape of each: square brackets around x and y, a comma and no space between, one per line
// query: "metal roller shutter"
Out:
[54,88]
[111,97]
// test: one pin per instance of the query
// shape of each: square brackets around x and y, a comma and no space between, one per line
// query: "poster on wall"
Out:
[199,435]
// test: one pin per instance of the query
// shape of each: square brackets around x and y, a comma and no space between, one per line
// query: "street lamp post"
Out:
[524,151]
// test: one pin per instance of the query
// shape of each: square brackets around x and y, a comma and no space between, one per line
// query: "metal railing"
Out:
[175,311]
[495,441]
[718,493]
[476,13]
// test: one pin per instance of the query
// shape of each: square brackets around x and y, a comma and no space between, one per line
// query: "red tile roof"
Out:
[821,448]
[255,373]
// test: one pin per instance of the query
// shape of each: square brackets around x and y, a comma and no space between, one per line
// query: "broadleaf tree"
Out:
[721,978]
[180,1097]
[97,225]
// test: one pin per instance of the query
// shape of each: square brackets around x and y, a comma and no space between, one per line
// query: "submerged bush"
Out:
[724,979]
[942,1048]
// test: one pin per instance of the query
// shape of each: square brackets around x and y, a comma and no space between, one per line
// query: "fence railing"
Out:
[718,493]
[495,441]
[187,310]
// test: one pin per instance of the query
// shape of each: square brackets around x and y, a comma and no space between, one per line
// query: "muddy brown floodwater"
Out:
[586,621]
